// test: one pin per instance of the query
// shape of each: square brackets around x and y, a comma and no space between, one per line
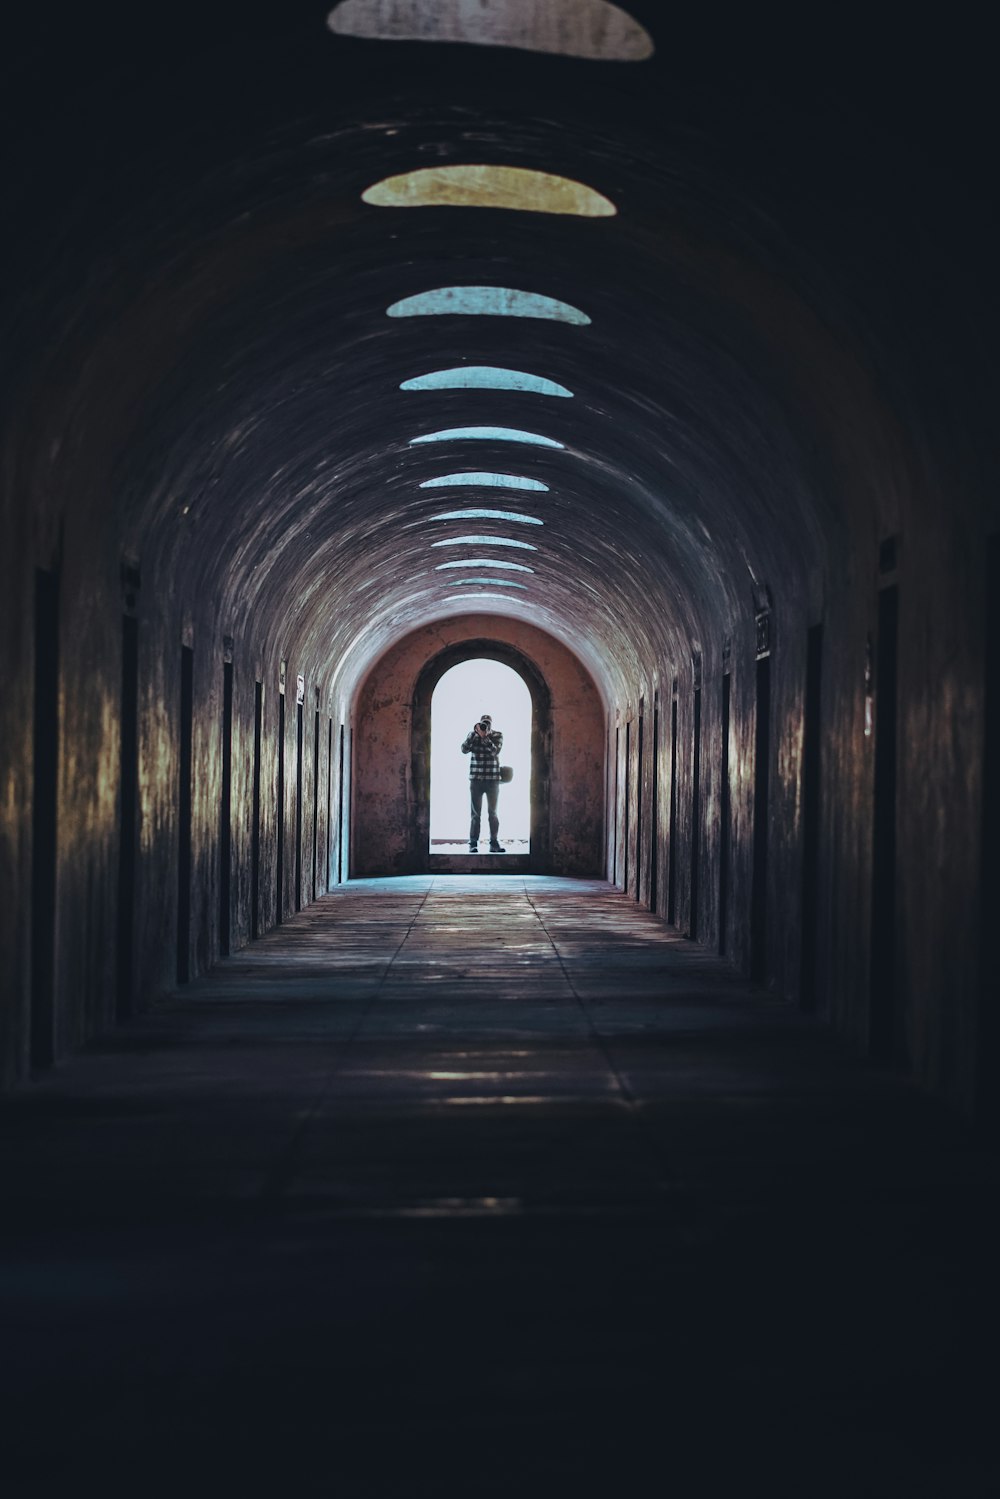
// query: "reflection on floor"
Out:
[481,1186]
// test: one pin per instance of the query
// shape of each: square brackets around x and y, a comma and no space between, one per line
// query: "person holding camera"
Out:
[483,743]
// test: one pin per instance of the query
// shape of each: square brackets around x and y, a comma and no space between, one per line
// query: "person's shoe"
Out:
[497,848]
[473,848]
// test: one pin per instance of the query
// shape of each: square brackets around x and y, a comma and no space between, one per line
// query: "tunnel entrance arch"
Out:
[389,775]
[538,861]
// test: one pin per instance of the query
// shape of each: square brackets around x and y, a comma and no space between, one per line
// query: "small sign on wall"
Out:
[300,689]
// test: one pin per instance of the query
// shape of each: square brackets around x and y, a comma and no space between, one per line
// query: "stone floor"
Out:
[458,1186]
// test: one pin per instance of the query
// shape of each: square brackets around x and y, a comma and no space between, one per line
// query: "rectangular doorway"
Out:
[885,1039]
[128,816]
[761,817]
[44,819]
[184,809]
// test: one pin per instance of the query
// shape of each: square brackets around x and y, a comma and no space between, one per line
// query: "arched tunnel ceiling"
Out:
[243,370]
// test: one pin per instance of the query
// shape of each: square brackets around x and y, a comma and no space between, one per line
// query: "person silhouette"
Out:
[483,742]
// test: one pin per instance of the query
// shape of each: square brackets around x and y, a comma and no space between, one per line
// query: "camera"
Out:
[484,724]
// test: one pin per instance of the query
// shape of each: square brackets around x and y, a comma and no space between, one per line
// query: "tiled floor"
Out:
[476,1186]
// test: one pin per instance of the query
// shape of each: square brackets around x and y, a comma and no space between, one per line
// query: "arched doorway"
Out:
[462,694]
[389,751]
[538,858]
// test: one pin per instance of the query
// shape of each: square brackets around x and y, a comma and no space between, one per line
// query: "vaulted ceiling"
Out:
[275,249]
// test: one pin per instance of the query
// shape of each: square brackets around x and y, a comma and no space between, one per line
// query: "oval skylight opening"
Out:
[593,29]
[486,434]
[486,481]
[520,189]
[527,520]
[485,377]
[492,562]
[495,582]
[481,593]
[484,541]
[486,301]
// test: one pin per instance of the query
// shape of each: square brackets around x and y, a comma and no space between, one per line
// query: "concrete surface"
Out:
[476,1186]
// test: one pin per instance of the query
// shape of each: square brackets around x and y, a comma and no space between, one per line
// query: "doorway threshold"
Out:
[480,864]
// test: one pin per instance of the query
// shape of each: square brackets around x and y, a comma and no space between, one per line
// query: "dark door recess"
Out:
[725,815]
[638,810]
[44,819]
[327,878]
[695,815]
[654,832]
[672,821]
[128,816]
[884,1034]
[988,1048]
[340,812]
[315,807]
[298,806]
[258,727]
[226,812]
[279,855]
[184,816]
[761,813]
[614,814]
[628,780]
[811,813]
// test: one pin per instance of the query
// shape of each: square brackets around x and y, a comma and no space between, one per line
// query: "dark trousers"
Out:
[491,791]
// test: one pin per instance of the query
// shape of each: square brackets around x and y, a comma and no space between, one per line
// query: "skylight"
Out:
[485,377]
[528,520]
[485,301]
[480,186]
[484,541]
[496,582]
[593,29]
[486,434]
[491,562]
[486,481]
[479,593]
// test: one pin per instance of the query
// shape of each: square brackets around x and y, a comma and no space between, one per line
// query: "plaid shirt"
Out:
[485,762]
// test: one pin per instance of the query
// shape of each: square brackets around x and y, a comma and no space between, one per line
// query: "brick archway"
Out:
[390,751]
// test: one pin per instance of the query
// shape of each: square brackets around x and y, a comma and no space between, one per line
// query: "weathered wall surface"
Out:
[384,796]
[931,994]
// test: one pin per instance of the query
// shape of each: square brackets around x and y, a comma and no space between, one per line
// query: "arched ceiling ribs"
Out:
[265,459]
